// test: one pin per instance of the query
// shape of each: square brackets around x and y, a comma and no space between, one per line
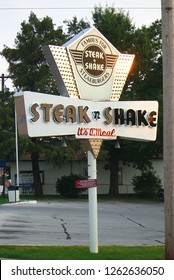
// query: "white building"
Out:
[50,174]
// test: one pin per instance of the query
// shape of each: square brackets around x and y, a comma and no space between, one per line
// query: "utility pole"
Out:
[3,79]
[168,125]
[2,82]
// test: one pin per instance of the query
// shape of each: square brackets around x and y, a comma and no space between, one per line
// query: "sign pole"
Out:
[17,152]
[92,201]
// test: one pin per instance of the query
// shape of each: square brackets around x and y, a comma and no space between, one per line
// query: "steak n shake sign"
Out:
[48,115]
[90,74]
[94,60]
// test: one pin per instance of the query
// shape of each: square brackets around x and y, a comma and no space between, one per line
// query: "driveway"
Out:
[66,223]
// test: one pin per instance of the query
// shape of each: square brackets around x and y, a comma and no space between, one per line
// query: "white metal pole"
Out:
[17,155]
[92,200]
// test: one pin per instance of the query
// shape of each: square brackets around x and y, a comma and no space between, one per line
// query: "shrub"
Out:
[66,186]
[147,184]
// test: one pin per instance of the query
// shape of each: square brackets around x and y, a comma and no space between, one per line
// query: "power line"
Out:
[75,8]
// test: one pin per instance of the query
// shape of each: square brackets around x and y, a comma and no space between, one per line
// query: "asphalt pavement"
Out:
[66,223]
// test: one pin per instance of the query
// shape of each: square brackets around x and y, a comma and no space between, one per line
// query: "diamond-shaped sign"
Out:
[89,67]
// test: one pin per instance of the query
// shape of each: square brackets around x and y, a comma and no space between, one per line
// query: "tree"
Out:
[146,75]
[29,71]
[117,27]
[74,26]
[144,82]
[7,135]
[147,184]
[27,64]
[66,186]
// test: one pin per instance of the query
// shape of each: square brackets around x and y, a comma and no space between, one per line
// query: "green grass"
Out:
[82,253]
[3,199]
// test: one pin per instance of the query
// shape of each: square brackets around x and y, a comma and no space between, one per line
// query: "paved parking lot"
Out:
[66,223]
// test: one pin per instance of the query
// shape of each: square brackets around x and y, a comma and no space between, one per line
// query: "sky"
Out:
[13,12]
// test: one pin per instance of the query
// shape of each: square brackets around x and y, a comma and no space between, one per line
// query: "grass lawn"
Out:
[3,199]
[82,253]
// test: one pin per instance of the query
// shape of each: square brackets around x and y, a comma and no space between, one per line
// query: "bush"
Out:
[147,184]
[66,186]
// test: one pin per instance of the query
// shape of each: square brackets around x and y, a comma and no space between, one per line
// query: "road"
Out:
[66,223]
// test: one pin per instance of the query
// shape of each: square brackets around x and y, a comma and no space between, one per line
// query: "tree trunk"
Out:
[36,174]
[113,188]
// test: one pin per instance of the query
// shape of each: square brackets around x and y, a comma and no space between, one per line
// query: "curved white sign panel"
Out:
[50,115]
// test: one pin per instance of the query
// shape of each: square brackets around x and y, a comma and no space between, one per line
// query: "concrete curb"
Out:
[20,203]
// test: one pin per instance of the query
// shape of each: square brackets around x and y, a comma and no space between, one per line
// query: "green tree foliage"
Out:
[74,26]
[117,27]
[27,64]
[147,184]
[144,82]
[66,186]
[146,75]
[29,70]
[7,134]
